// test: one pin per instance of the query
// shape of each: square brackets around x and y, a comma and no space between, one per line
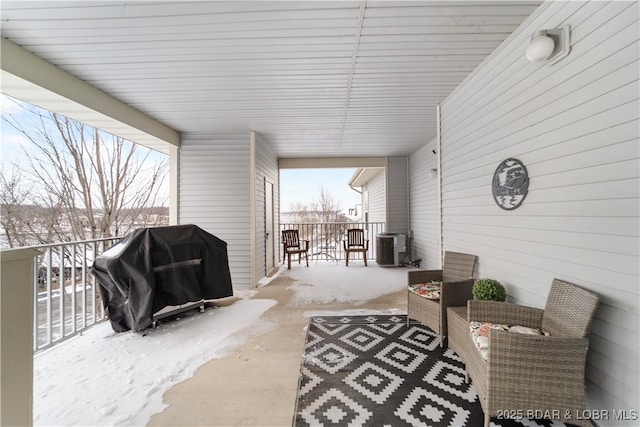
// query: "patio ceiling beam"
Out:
[331,162]
[30,78]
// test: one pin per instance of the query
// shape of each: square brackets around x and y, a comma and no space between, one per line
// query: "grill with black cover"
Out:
[153,268]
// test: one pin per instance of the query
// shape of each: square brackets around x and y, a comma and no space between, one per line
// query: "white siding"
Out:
[575,127]
[397,195]
[375,205]
[423,196]
[266,168]
[214,193]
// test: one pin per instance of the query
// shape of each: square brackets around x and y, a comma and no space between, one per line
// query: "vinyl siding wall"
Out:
[214,193]
[575,127]
[397,195]
[376,202]
[266,168]
[423,196]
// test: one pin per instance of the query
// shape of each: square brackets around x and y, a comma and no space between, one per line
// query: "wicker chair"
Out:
[457,282]
[531,376]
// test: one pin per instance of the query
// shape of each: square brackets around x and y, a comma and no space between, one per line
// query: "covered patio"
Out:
[237,364]
[438,94]
[260,378]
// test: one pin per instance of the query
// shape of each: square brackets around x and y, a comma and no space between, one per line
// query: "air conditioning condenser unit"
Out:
[390,249]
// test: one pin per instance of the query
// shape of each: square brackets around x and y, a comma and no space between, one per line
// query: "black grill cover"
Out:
[153,268]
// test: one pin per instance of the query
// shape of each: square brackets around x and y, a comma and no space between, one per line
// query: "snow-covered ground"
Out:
[355,284]
[104,378]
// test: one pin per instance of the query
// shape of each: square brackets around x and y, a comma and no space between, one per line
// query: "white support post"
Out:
[174,185]
[16,337]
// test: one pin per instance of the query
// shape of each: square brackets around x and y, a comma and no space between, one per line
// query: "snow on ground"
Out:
[355,284]
[354,312]
[103,378]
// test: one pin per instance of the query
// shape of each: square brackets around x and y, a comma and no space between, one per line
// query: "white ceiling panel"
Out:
[314,78]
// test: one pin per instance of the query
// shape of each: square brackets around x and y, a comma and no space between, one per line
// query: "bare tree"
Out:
[326,207]
[15,214]
[95,184]
[300,212]
[327,223]
[329,211]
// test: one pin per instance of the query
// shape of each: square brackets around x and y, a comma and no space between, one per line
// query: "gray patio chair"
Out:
[457,281]
[533,376]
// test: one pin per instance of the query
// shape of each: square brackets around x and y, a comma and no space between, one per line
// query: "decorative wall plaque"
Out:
[510,184]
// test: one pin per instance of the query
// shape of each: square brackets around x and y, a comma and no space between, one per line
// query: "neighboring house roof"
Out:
[362,175]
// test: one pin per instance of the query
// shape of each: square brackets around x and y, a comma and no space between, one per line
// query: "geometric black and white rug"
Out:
[375,371]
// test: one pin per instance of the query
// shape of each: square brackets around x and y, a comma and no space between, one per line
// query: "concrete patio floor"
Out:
[255,385]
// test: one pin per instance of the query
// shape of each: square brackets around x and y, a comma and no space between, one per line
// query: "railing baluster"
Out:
[61,287]
[49,274]
[73,288]
[84,285]
[36,285]
[93,286]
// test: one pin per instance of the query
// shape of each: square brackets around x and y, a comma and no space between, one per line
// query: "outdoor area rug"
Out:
[377,371]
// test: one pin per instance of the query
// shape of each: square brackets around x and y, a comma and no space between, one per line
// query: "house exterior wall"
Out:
[574,125]
[214,194]
[266,168]
[397,195]
[423,205]
[374,201]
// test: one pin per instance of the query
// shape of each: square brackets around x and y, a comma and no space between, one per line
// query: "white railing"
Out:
[66,296]
[325,238]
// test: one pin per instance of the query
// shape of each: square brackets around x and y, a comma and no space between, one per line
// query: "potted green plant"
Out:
[489,289]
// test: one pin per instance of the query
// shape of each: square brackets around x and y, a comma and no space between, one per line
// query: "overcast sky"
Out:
[304,186]
[11,142]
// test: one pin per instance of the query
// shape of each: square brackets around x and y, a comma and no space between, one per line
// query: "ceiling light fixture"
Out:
[549,45]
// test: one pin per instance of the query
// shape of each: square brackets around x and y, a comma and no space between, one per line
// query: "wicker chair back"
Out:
[457,266]
[569,310]
[457,282]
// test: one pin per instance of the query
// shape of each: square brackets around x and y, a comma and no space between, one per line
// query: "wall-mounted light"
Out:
[433,173]
[549,45]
